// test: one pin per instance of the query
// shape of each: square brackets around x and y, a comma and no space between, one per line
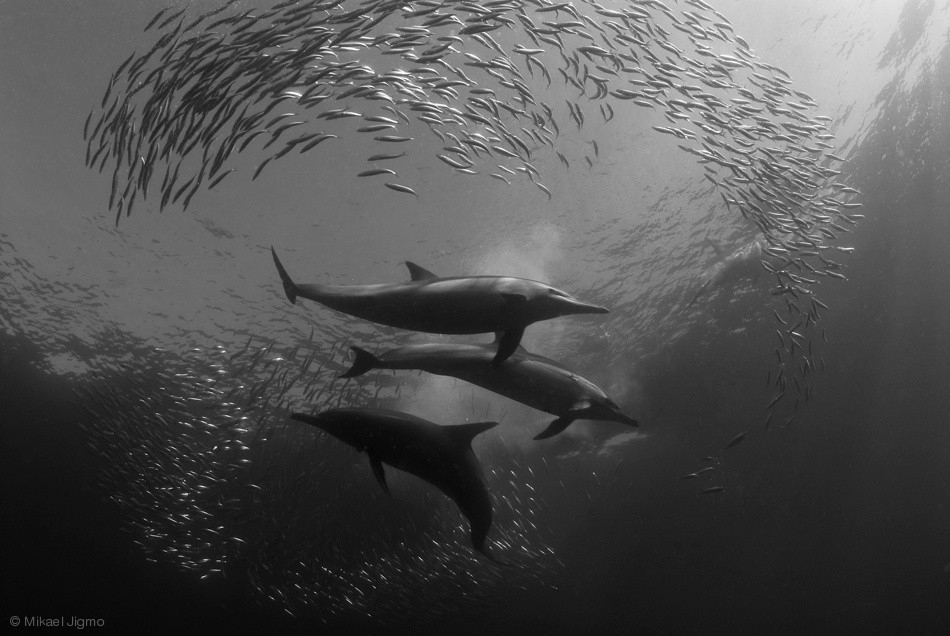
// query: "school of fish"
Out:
[214,478]
[475,75]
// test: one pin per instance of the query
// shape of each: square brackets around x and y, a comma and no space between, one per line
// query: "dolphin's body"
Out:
[456,305]
[532,380]
[441,455]
[744,263]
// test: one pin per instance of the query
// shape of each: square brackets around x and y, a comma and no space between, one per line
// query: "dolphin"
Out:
[533,380]
[441,455]
[454,305]
[740,264]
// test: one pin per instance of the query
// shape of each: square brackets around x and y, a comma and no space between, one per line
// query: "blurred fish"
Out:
[398,187]
[376,171]
[385,157]
[737,439]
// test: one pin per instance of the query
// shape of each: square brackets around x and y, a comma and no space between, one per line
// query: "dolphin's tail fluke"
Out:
[488,555]
[365,361]
[290,288]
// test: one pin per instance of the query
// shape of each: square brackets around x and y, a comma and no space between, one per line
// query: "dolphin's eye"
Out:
[557,292]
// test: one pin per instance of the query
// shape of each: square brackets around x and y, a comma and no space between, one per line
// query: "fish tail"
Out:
[290,288]
[364,361]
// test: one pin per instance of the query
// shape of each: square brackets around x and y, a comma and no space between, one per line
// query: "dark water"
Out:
[125,496]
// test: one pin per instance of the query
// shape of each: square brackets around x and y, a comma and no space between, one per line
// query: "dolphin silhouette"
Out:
[533,380]
[441,455]
[743,263]
[454,305]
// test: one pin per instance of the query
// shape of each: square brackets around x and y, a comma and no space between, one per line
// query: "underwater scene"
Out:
[459,317]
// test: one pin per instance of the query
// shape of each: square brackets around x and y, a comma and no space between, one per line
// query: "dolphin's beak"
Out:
[623,418]
[617,415]
[584,308]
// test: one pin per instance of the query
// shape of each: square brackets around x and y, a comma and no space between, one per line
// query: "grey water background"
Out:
[837,523]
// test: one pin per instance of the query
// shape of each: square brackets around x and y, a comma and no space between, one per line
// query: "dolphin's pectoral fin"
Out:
[417,273]
[500,334]
[378,472]
[511,338]
[290,288]
[507,345]
[555,427]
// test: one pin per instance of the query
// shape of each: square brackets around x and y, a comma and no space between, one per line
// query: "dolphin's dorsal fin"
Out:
[417,273]
[465,433]
[378,472]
